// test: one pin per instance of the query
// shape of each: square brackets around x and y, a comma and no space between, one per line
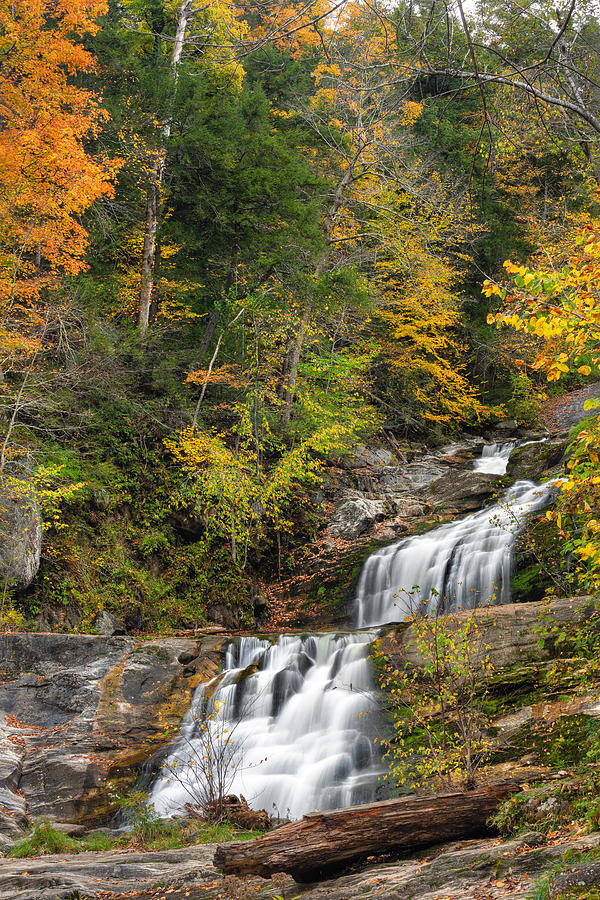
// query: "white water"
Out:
[300,727]
[494,458]
[299,715]
[457,566]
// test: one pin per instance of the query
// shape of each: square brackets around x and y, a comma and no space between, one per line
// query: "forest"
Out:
[239,240]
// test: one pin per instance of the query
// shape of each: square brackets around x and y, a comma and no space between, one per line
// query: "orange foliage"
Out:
[47,179]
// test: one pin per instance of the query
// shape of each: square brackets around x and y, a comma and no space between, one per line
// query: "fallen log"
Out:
[321,844]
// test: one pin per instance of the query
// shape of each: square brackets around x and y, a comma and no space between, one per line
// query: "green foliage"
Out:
[43,839]
[441,728]
[523,404]
[148,833]
[545,807]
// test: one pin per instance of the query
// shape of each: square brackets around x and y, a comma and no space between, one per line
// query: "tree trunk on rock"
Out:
[323,843]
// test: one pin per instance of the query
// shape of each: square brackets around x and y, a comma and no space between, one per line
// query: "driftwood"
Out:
[323,843]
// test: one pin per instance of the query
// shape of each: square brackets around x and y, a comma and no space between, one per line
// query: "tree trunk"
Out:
[156,179]
[323,843]
[209,331]
[149,249]
[293,361]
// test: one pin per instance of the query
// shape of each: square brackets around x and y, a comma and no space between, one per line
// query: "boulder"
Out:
[507,426]
[365,457]
[532,461]
[461,490]
[107,624]
[354,517]
[21,533]
[409,507]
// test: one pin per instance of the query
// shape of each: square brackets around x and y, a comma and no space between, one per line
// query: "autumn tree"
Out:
[555,301]
[47,177]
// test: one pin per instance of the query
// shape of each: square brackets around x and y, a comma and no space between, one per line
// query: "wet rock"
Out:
[354,517]
[532,461]
[20,535]
[462,490]
[107,624]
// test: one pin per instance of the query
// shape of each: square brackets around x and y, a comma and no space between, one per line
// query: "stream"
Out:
[289,723]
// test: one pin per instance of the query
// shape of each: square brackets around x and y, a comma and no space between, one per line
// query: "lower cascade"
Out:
[290,723]
[299,718]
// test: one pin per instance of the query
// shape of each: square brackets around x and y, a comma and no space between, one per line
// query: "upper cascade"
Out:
[292,720]
[494,458]
[461,565]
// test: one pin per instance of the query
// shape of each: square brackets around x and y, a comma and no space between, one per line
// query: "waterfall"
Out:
[494,458]
[293,719]
[461,565]
[299,718]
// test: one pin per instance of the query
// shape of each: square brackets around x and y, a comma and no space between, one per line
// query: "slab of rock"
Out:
[532,461]
[77,710]
[87,874]
[461,490]
[508,630]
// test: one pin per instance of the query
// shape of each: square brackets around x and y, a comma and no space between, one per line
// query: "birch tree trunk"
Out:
[156,181]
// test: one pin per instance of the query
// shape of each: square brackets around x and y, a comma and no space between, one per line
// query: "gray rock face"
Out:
[20,533]
[74,708]
[354,517]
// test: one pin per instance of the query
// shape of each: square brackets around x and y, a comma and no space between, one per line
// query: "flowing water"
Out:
[294,718]
[457,566]
[494,458]
[299,715]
